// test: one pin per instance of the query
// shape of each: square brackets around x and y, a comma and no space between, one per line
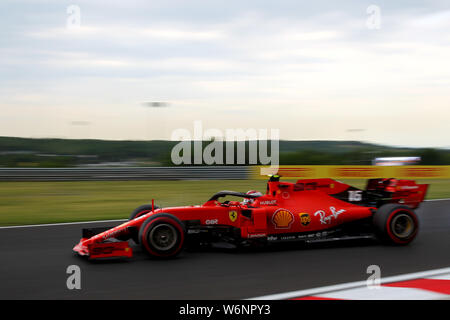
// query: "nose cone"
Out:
[81,249]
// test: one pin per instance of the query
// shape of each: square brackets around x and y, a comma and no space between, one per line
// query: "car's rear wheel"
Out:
[396,224]
[162,235]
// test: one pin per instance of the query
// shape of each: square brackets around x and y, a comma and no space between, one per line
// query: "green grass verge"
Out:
[50,202]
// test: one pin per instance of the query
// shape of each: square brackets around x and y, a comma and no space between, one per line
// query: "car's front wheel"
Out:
[139,211]
[396,224]
[162,235]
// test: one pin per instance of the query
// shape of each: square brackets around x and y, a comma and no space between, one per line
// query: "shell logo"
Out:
[282,219]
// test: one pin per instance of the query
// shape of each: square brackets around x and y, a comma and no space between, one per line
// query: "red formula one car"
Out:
[311,210]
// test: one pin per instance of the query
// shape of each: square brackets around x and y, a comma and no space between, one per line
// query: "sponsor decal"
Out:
[407,187]
[299,236]
[422,172]
[355,172]
[212,221]
[102,250]
[296,172]
[288,237]
[268,203]
[282,219]
[256,235]
[305,219]
[113,233]
[327,218]
[233,215]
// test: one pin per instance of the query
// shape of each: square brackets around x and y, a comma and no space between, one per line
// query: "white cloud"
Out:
[105,32]
[316,74]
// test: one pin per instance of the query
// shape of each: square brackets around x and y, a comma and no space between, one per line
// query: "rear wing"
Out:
[402,191]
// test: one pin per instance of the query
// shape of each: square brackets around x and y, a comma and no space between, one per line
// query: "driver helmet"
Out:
[248,201]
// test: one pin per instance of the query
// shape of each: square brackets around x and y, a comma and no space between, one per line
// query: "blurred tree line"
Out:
[23,152]
[312,157]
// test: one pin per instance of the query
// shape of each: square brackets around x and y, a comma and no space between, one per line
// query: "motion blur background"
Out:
[104,84]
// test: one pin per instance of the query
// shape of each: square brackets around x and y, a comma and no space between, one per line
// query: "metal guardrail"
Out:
[221,173]
[128,173]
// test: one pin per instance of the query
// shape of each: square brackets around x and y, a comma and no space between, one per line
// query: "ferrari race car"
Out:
[310,210]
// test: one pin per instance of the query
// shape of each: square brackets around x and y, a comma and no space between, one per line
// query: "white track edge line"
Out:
[60,224]
[350,285]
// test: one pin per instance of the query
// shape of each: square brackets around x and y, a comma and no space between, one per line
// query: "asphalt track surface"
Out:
[33,263]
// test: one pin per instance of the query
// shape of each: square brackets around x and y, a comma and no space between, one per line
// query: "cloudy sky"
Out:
[376,71]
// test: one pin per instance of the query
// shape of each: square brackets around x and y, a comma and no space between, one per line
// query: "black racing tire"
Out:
[139,211]
[162,235]
[396,224]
